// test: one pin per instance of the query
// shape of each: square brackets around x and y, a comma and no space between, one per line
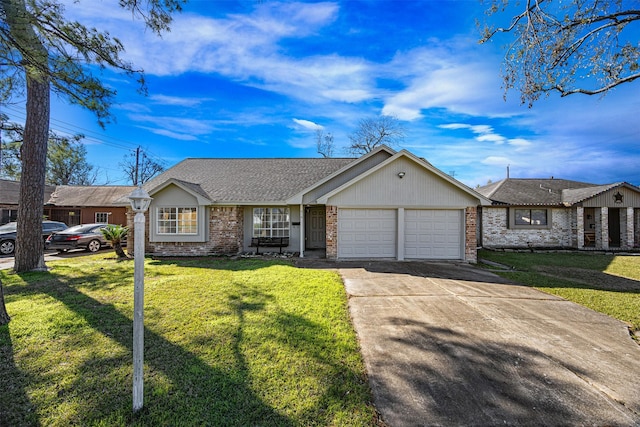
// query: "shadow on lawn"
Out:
[180,389]
[582,278]
[16,409]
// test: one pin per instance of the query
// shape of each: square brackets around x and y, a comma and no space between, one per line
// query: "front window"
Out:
[271,222]
[530,217]
[102,217]
[176,220]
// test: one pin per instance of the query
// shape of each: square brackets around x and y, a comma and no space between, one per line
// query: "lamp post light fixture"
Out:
[140,202]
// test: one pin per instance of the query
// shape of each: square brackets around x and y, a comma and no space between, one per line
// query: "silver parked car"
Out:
[85,236]
[8,234]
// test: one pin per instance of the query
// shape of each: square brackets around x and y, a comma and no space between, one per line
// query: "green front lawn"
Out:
[609,284]
[227,343]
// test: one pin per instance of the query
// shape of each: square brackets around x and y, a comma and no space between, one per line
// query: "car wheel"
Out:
[7,247]
[94,246]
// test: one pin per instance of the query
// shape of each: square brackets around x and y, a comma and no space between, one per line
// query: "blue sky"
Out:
[257,78]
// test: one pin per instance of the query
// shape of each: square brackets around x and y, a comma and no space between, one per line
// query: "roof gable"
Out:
[191,188]
[464,191]
[344,174]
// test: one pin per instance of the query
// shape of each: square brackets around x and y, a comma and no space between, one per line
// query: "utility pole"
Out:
[135,179]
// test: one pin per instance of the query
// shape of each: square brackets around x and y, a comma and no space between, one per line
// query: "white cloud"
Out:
[176,100]
[450,74]
[519,143]
[455,126]
[170,134]
[307,124]
[174,124]
[496,161]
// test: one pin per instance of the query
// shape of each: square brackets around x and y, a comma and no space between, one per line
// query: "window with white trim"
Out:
[177,220]
[271,222]
[102,217]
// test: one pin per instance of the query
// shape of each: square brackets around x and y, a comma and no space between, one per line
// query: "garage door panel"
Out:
[433,234]
[367,233]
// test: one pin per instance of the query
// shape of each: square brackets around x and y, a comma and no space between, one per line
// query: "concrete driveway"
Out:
[447,344]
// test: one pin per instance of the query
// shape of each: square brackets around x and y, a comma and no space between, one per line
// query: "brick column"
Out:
[332,232]
[604,227]
[470,238]
[630,234]
[580,227]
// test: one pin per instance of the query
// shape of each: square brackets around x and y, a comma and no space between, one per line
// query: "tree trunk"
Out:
[30,245]
[4,316]
[119,251]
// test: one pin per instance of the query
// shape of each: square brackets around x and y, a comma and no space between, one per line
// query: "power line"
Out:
[62,126]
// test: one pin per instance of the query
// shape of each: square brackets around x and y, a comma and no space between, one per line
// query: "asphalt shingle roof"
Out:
[10,191]
[250,180]
[525,191]
[103,195]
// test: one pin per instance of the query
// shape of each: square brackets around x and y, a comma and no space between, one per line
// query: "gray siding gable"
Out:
[344,175]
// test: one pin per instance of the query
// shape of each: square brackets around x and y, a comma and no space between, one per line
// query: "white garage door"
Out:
[433,234]
[367,233]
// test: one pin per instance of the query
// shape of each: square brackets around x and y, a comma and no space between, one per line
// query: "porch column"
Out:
[604,227]
[630,229]
[302,231]
[580,226]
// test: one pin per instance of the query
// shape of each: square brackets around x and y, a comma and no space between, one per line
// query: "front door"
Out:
[315,229]
[614,227]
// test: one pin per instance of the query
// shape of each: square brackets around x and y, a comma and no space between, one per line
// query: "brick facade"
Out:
[226,235]
[470,240]
[332,232]
[497,234]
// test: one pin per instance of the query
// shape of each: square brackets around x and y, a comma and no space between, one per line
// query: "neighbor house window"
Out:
[102,217]
[530,218]
[271,222]
[176,220]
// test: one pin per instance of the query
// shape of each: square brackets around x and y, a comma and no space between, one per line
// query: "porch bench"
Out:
[279,242]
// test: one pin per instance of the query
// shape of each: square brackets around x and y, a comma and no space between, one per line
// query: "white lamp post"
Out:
[140,201]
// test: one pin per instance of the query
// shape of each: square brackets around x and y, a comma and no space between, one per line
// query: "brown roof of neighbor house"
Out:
[249,180]
[100,195]
[530,191]
[10,191]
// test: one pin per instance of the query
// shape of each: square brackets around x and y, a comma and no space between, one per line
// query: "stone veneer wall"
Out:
[332,232]
[497,234]
[226,235]
[470,241]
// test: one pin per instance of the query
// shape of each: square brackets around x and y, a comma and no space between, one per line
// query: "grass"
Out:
[609,284]
[227,343]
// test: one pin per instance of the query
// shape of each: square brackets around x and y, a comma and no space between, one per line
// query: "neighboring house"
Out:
[76,205]
[557,213]
[385,204]
[9,196]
